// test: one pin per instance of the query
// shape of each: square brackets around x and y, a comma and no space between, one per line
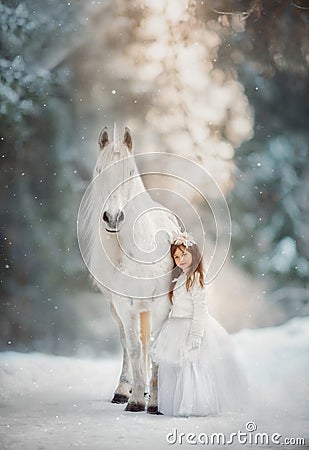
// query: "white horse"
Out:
[125,238]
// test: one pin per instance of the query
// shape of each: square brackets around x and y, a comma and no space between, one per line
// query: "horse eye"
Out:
[131,172]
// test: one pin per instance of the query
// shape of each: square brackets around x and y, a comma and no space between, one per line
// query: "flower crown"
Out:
[185,239]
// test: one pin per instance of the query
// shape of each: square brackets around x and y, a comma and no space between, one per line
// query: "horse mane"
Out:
[91,206]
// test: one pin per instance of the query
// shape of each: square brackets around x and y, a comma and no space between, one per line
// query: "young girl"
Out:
[198,370]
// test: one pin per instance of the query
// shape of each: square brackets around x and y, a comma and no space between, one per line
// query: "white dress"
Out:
[196,382]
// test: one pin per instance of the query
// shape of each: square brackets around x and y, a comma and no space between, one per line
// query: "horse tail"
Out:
[145,335]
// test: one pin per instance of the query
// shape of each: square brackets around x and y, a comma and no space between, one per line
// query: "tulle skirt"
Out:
[202,382]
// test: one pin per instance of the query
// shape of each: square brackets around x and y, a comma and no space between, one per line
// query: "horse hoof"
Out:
[120,398]
[153,410]
[134,407]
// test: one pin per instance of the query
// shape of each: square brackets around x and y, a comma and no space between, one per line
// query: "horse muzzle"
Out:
[113,222]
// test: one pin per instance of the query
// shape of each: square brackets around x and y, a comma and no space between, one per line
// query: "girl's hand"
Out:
[194,342]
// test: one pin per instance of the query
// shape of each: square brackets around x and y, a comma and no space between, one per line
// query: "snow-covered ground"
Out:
[55,403]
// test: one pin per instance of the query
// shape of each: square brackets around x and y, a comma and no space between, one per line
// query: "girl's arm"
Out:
[200,309]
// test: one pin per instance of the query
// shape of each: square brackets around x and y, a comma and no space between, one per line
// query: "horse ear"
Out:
[127,139]
[103,138]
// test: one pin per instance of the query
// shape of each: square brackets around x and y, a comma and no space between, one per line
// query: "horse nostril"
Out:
[105,217]
[120,216]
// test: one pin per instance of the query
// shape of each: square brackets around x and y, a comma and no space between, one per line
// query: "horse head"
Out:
[117,163]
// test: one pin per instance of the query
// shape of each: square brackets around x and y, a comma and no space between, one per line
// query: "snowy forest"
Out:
[222,83]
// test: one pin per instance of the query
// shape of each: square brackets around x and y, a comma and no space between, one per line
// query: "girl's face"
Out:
[182,258]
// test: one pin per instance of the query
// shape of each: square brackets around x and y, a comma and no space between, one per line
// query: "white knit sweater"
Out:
[190,304]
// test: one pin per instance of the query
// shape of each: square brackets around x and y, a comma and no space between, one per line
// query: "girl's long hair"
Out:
[195,268]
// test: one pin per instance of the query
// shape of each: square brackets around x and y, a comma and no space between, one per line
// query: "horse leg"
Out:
[145,335]
[130,320]
[159,313]
[152,407]
[137,400]
[122,393]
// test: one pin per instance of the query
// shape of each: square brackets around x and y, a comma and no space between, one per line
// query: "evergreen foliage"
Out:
[38,209]
[269,201]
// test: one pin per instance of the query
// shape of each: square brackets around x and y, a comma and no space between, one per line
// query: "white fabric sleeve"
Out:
[200,309]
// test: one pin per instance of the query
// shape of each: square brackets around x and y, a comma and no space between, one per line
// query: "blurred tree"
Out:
[36,127]
[275,33]
[139,68]
[267,44]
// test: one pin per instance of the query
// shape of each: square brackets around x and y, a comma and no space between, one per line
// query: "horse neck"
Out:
[139,230]
[137,186]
